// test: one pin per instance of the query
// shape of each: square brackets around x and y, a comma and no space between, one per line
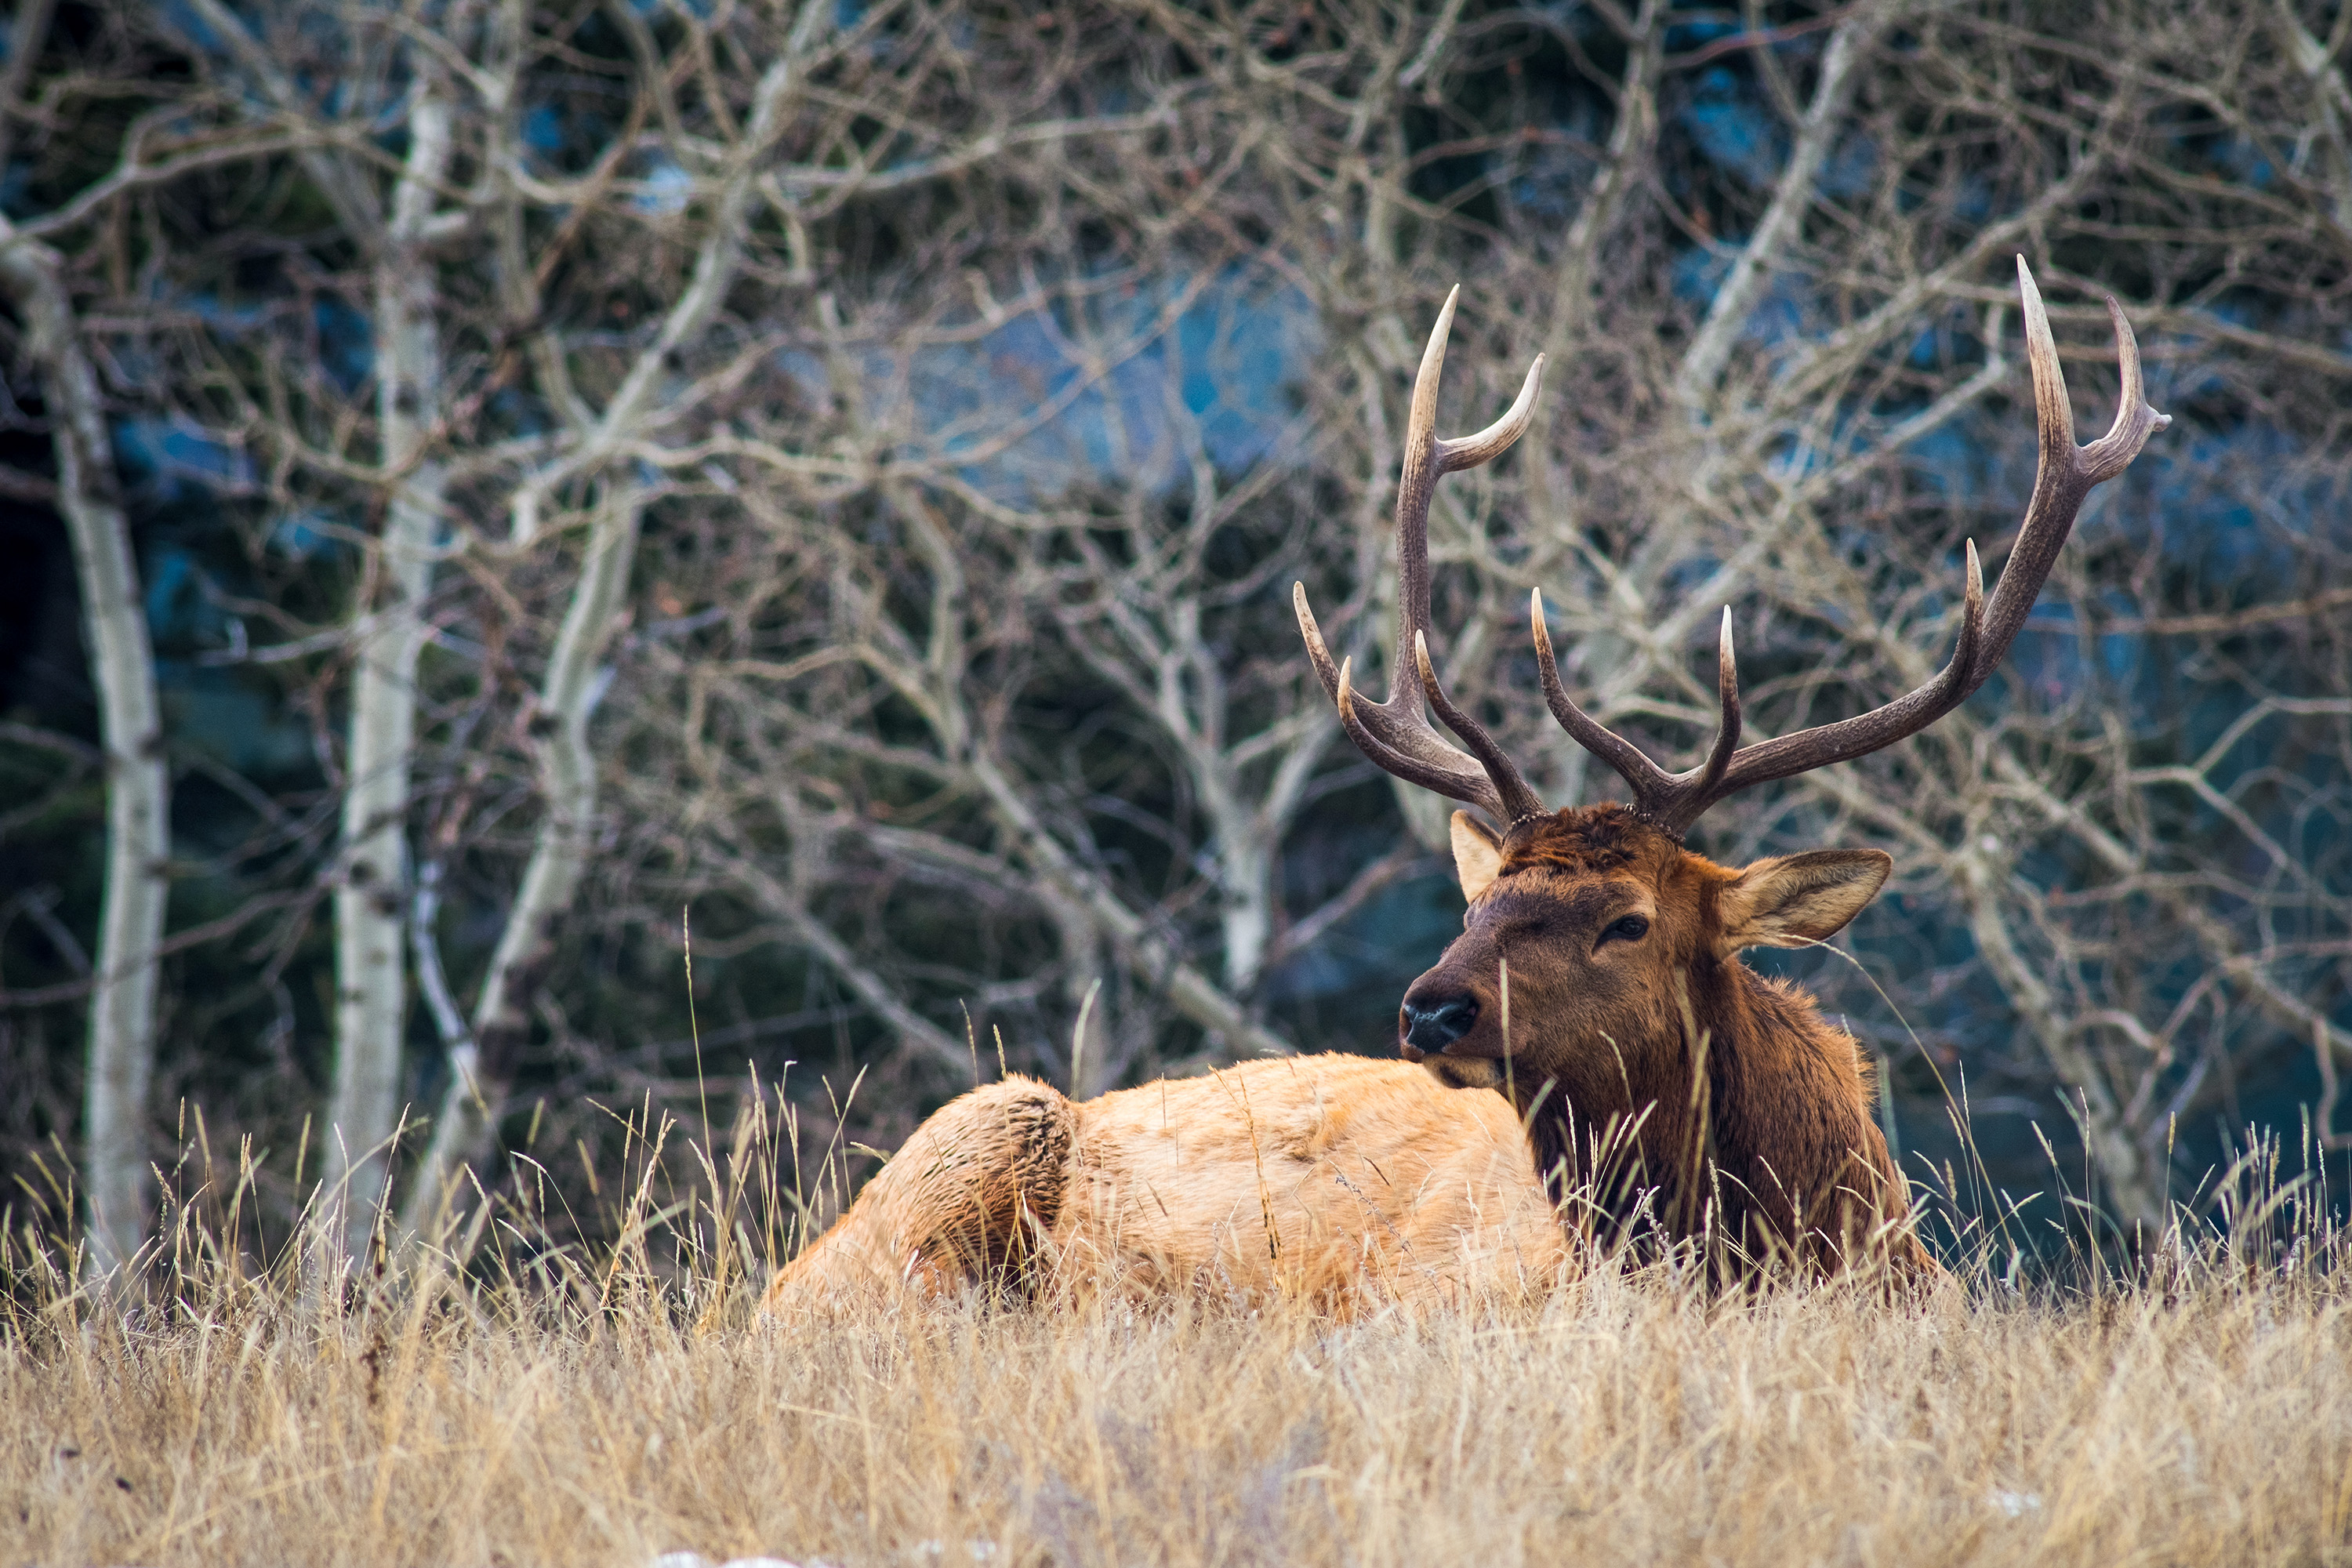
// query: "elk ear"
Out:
[1795,900]
[1477,854]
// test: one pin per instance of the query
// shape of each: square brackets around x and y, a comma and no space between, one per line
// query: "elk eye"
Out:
[1632,928]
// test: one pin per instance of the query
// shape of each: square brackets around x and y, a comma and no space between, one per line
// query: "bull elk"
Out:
[1594,1058]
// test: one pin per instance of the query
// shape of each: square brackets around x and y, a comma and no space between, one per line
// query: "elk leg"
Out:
[961,1204]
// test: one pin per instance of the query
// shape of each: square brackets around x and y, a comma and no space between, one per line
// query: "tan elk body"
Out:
[1588,1061]
[1336,1179]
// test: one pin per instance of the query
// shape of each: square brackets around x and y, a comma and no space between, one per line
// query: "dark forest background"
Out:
[840,469]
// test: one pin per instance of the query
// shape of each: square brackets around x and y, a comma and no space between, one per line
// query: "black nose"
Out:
[1433,1027]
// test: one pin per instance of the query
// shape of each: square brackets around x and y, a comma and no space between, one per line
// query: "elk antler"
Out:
[2064,479]
[1396,734]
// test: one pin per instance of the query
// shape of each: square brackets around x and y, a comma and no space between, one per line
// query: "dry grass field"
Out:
[567,1406]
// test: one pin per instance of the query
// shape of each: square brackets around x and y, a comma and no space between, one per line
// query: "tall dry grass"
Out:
[506,1398]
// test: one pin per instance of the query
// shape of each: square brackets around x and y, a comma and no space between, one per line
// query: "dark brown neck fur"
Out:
[1778,1155]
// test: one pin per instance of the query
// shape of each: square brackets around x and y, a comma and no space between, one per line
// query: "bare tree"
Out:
[845,469]
[87,494]
[1801,422]
[724,168]
[137,801]
[392,222]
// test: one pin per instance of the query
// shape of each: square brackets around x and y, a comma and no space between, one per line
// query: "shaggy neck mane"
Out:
[1769,1146]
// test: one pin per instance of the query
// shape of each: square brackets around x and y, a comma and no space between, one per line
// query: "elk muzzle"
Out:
[1433,1022]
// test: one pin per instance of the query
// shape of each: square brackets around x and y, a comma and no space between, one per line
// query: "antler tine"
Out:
[1518,802]
[2066,474]
[2136,420]
[1727,729]
[1457,453]
[1645,777]
[1416,487]
[1663,797]
[1318,655]
[1468,782]
[1396,734]
[1396,729]
[2063,479]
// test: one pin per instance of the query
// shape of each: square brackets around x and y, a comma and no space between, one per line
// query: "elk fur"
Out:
[1669,1090]
[1338,1181]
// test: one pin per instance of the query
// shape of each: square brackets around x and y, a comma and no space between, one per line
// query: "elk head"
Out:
[1596,978]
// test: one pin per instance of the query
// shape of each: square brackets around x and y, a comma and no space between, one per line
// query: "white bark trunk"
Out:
[371,903]
[138,827]
[1246,916]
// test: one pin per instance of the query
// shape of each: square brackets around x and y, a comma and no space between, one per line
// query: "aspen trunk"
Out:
[371,980]
[1249,836]
[1247,918]
[371,901]
[138,828]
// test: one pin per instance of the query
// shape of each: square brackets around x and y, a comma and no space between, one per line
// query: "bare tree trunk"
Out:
[371,901]
[138,826]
